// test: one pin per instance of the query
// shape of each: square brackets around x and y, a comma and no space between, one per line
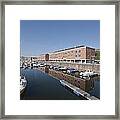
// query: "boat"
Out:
[23,84]
[71,71]
[63,69]
[88,74]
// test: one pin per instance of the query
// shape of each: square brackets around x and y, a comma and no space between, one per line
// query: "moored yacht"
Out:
[23,84]
[88,74]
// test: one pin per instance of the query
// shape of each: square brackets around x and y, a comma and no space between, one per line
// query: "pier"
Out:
[78,91]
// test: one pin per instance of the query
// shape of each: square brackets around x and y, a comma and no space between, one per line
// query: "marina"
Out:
[41,86]
[91,85]
[47,75]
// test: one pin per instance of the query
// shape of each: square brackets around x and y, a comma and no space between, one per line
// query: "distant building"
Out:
[43,57]
[78,54]
[46,57]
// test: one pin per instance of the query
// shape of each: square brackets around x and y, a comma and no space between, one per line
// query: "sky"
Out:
[43,36]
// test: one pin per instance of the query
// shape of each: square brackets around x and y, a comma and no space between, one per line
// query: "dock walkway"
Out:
[78,91]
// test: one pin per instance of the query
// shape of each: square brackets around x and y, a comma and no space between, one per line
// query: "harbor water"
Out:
[42,86]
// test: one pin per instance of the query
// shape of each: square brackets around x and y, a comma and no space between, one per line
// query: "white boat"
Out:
[87,73]
[23,84]
[71,70]
[63,68]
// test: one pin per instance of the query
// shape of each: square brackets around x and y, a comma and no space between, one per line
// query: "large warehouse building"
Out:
[78,54]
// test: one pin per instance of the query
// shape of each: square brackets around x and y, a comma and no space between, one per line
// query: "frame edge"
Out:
[2,63]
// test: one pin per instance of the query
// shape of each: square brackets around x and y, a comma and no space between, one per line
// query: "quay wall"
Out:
[84,84]
[80,67]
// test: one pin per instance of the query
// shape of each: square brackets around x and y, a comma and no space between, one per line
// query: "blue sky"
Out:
[44,36]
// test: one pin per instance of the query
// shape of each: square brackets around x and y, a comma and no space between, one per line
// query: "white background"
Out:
[104,13]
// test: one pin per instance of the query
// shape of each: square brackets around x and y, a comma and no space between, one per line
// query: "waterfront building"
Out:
[78,54]
[43,57]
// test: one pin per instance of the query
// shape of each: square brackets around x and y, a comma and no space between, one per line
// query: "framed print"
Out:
[60,59]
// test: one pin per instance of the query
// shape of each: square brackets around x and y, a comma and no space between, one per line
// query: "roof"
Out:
[69,48]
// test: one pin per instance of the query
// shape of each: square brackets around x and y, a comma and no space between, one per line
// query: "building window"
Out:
[76,51]
[75,55]
[83,61]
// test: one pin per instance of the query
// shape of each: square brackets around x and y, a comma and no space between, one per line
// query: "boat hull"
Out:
[23,85]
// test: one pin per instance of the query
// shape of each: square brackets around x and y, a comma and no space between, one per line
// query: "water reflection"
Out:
[90,85]
[41,86]
[47,69]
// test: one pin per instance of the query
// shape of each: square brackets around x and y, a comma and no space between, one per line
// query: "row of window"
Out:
[77,55]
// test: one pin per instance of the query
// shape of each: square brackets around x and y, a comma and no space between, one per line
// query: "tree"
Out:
[97,55]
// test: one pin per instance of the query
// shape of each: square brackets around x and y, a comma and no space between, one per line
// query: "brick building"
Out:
[78,54]
[43,57]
